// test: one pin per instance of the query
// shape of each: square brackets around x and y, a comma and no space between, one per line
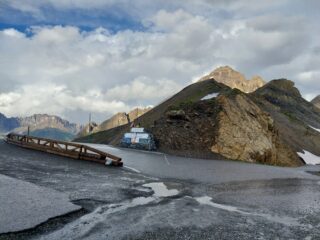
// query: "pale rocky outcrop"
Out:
[247,133]
[234,79]
[115,121]
[121,118]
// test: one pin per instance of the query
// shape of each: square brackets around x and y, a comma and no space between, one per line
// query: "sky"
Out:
[72,57]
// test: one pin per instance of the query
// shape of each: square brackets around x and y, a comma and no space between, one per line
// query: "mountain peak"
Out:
[284,85]
[234,79]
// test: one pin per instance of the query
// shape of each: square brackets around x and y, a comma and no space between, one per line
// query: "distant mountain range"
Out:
[262,123]
[41,125]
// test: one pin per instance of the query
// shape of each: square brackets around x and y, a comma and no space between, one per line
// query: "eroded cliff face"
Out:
[247,133]
[229,125]
[234,79]
[116,120]
[42,121]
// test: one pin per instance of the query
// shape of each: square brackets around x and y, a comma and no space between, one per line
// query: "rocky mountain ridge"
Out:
[41,124]
[296,118]
[235,79]
[41,121]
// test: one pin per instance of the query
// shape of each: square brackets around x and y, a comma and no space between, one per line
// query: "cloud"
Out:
[68,70]
[55,99]
[144,89]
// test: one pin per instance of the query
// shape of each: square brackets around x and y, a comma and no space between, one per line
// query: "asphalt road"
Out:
[156,196]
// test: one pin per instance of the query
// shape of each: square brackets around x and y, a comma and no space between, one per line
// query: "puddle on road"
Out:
[161,190]
[206,200]
[88,222]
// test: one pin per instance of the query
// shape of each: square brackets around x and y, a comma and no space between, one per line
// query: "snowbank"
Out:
[309,158]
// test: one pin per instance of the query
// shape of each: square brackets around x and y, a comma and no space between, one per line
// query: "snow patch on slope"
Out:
[317,129]
[209,96]
[309,158]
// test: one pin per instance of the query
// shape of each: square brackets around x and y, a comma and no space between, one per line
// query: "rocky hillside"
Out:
[191,93]
[41,121]
[230,125]
[116,120]
[316,101]
[208,119]
[234,79]
[296,119]
[121,118]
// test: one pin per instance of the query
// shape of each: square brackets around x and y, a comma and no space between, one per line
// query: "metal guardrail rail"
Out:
[66,149]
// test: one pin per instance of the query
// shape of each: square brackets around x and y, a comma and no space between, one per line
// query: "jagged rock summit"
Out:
[316,101]
[234,79]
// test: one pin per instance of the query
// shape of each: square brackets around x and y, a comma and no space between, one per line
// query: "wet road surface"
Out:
[157,196]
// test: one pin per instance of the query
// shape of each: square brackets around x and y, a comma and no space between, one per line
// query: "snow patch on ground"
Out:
[317,129]
[209,96]
[161,190]
[309,158]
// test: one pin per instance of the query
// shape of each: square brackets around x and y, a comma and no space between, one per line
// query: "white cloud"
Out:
[144,89]
[55,35]
[55,99]
[12,33]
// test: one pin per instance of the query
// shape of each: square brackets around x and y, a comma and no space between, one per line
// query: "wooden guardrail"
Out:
[66,149]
